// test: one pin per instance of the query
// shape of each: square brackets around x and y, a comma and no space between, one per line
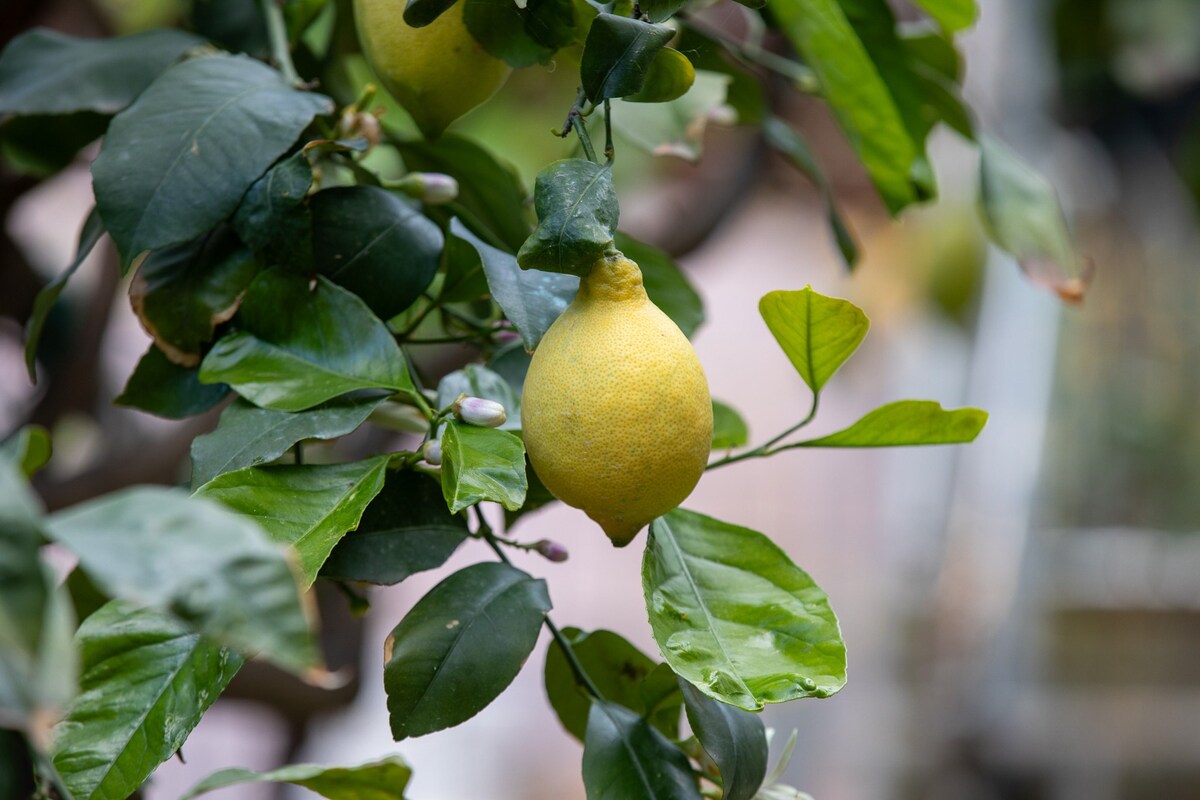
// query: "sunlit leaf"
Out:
[817,333]
[905,423]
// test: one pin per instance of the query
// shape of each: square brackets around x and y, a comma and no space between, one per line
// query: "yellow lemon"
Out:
[616,413]
[438,72]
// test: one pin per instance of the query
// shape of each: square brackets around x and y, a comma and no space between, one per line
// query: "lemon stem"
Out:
[610,153]
[581,676]
[277,33]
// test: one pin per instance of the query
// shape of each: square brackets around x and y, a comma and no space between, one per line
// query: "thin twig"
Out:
[764,450]
[277,34]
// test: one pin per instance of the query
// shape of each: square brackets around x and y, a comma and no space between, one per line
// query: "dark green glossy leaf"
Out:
[146,682]
[908,422]
[181,293]
[665,283]
[791,144]
[93,229]
[479,381]
[380,780]
[817,333]
[734,739]
[465,279]
[852,85]
[419,13]
[28,449]
[43,144]
[577,218]
[616,667]
[675,128]
[482,464]
[953,15]
[461,646]
[46,72]
[625,758]
[488,190]
[1024,218]
[376,245]
[274,219]
[530,299]
[165,389]
[734,616]
[299,344]
[179,160]
[307,506]
[248,436]
[617,55]
[729,429]
[160,549]
[660,10]
[406,529]
[522,35]
[668,77]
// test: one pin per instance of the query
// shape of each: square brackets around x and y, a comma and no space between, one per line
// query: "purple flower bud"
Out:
[480,412]
[432,452]
[551,551]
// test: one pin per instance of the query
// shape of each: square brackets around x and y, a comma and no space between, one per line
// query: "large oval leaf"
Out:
[146,682]
[461,646]
[161,387]
[309,507]
[734,739]
[376,245]
[177,161]
[522,35]
[297,346]
[734,616]
[158,548]
[617,55]
[482,464]
[625,758]
[577,218]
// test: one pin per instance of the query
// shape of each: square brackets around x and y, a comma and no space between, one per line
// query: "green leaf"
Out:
[934,51]
[248,436]
[165,389]
[158,548]
[668,77]
[792,145]
[859,97]
[944,102]
[146,682]
[675,128]
[734,616]
[273,217]
[376,245]
[522,35]
[530,299]
[817,333]
[43,144]
[461,646]
[479,381]
[617,55]
[661,10]
[380,780]
[616,667]
[907,422]
[406,529]
[952,15]
[625,758]
[419,13]
[482,464]
[489,191]
[577,218]
[179,160]
[734,739]
[1024,218]
[46,72]
[309,507]
[665,283]
[465,280]
[93,229]
[28,449]
[297,347]
[729,429]
[181,293]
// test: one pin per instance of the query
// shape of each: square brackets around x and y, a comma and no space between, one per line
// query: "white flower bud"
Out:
[480,412]
[432,452]
[437,189]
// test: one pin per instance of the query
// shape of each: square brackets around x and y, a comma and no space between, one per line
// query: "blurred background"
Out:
[1022,615]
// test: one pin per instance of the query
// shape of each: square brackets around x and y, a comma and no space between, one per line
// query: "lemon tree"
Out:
[291,249]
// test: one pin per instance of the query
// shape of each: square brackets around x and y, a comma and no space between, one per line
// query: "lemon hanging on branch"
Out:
[437,72]
[616,412]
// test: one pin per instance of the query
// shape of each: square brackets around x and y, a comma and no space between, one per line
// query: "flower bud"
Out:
[432,452]
[431,188]
[480,412]
[551,551]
